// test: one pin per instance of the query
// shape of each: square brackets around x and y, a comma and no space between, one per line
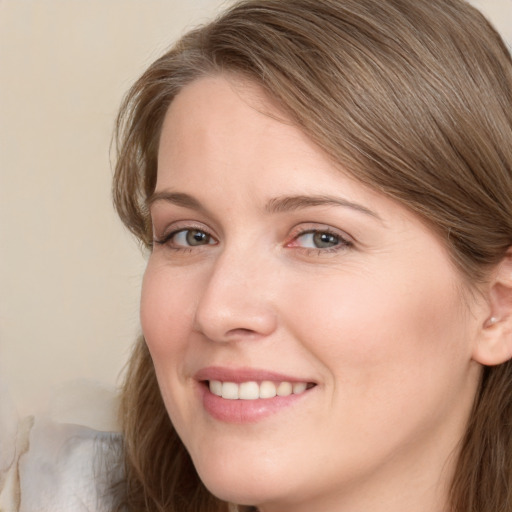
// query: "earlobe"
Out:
[494,344]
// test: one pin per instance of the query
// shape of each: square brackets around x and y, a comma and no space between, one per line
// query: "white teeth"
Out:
[267,389]
[284,389]
[249,391]
[229,390]
[299,387]
[252,390]
[216,387]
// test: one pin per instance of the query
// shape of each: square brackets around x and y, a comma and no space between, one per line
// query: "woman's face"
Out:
[275,272]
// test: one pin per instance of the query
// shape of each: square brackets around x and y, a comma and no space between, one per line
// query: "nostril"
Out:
[242,332]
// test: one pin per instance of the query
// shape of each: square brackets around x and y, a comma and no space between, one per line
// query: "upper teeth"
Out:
[254,390]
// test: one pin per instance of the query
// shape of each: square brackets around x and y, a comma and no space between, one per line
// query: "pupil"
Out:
[195,237]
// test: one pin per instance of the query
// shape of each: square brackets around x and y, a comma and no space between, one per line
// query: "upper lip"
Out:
[243,374]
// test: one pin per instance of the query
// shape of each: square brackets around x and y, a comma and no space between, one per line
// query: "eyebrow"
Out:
[292,203]
[177,198]
[275,205]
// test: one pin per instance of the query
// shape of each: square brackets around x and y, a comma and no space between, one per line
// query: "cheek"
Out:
[381,328]
[165,311]
[167,318]
[396,361]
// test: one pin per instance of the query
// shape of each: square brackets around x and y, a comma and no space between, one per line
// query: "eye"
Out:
[192,237]
[189,237]
[319,239]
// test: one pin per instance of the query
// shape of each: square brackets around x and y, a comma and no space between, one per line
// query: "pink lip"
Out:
[243,411]
[243,375]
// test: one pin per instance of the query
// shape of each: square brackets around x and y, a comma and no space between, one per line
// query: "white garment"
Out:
[65,459]
[69,468]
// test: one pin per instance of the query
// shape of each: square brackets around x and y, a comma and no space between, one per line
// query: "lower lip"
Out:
[245,411]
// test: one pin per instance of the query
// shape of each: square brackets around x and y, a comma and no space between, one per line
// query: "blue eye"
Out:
[191,238]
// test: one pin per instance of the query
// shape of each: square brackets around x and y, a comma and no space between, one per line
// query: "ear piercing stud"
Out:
[493,320]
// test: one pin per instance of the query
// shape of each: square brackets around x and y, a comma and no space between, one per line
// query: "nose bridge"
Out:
[236,299]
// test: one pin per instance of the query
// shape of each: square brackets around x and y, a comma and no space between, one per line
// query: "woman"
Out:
[325,189]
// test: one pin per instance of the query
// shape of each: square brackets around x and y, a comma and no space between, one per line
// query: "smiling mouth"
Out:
[253,390]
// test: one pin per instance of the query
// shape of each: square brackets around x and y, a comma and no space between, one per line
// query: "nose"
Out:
[236,300]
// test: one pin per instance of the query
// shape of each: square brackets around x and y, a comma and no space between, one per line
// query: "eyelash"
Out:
[343,242]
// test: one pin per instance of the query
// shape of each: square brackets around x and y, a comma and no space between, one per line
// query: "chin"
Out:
[243,487]
[241,493]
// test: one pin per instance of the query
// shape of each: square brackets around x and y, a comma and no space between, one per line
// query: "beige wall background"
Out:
[69,273]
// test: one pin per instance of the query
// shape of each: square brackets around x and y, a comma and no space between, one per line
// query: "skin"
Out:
[379,319]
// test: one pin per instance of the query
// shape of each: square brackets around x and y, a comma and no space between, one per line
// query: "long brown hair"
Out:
[414,99]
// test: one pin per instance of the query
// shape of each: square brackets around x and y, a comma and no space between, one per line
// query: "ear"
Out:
[494,343]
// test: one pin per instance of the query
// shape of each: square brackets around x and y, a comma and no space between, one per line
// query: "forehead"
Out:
[220,100]
[228,130]
[225,121]
[225,132]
